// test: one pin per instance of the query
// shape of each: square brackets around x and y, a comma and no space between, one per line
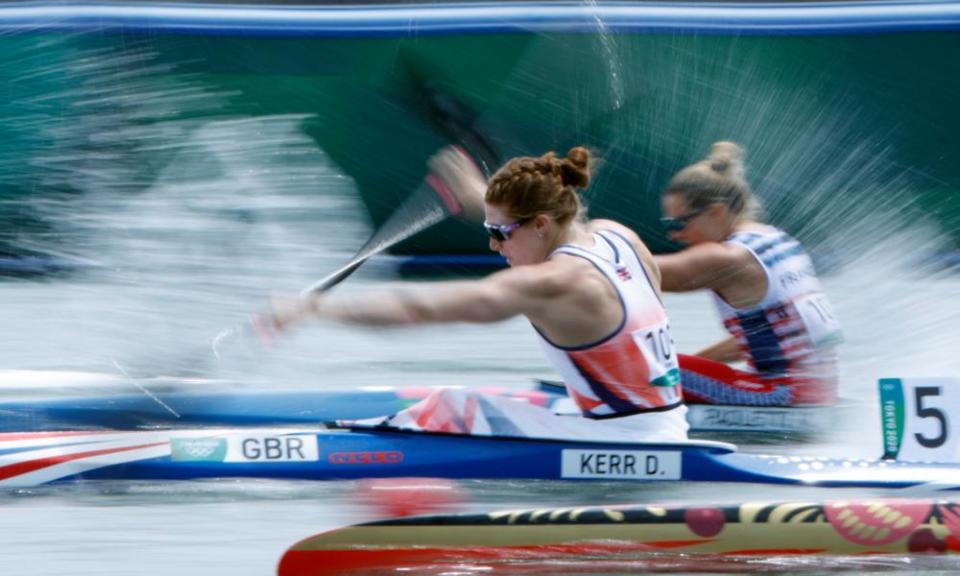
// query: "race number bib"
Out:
[818,317]
[659,351]
[920,419]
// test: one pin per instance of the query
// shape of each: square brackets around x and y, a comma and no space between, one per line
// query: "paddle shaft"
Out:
[397,228]
[421,210]
[430,203]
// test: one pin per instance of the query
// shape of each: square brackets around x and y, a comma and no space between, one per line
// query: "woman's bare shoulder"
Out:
[601,224]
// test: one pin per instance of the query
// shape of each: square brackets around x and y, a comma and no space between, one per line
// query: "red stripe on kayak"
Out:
[11,470]
[5,436]
[333,562]
[513,558]
[374,561]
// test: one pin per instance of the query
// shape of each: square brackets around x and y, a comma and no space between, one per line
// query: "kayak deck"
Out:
[57,403]
[323,454]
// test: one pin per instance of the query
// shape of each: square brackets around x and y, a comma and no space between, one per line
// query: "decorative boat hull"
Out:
[515,540]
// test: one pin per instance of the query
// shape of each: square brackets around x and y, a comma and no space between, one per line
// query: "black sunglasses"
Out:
[502,232]
[678,223]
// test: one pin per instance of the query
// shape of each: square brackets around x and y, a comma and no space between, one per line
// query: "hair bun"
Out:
[579,157]
[575,168]
[726,157]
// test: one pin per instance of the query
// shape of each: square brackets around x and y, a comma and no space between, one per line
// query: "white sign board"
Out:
[621,464]
[246,448]
[920,419]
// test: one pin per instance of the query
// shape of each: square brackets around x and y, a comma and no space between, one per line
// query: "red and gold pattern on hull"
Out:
[519,541]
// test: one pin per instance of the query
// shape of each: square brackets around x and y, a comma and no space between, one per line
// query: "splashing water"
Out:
[609,56]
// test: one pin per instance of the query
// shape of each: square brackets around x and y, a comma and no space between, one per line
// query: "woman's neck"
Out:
[744,224]
[572,233]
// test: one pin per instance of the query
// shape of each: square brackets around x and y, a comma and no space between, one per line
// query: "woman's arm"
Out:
[726,351]
[709,265]
[495,298]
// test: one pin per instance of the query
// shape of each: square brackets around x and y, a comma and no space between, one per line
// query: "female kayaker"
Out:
[765,287]
[590,290]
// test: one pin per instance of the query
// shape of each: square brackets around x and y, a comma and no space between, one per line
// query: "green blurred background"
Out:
[838,129]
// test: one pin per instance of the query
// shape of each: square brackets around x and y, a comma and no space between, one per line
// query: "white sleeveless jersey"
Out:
[792,332]
[634,369]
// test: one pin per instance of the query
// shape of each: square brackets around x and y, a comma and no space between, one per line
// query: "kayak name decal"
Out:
[246,448]
[740,417]
[621,464]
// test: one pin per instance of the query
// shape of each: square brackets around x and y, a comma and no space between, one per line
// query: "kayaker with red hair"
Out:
[590,289]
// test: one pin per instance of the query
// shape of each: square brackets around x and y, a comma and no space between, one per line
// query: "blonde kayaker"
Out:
[764,285]
[589,288]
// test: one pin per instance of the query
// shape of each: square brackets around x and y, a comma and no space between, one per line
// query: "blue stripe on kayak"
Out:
[410,20]
[478,457]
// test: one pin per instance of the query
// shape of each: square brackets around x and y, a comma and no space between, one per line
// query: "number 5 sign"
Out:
[920,419]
